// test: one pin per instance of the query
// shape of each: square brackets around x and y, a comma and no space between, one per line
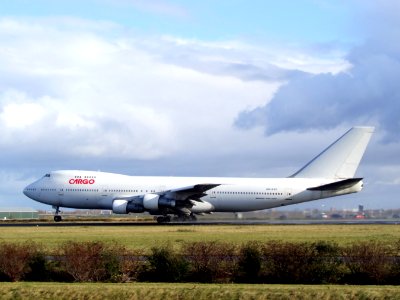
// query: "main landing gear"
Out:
[163,219]
[180,218]
[57,217]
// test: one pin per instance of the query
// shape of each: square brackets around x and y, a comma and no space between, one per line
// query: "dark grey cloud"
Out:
[368,93]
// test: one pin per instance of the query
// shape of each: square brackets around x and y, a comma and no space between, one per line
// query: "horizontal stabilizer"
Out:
[335,186]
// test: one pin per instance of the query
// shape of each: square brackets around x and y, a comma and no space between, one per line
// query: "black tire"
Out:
[57,218]
[163,219]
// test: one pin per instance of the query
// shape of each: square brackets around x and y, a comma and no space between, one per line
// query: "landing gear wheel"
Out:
[163,219]
[57,217]
[185,218]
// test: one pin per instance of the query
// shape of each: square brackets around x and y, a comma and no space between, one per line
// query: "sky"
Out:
[197,88]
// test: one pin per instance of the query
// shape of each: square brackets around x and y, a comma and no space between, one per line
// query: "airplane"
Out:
[329,174]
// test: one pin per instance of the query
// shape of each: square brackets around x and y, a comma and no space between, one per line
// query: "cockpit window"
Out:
[47,175]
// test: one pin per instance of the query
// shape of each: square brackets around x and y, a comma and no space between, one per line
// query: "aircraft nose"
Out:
[25,192]
[28,190]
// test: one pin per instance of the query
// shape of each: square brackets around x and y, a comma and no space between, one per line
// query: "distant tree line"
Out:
[209,262]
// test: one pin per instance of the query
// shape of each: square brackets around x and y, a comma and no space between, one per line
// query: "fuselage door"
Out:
[60,195]
[104,192]
[288,194]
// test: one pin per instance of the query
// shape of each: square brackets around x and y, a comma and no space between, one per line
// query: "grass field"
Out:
[149,291]
[145,237]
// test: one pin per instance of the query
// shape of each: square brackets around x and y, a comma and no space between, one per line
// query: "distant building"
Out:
[13,213]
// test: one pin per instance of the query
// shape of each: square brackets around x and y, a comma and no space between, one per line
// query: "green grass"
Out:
[149,291]
[145,237]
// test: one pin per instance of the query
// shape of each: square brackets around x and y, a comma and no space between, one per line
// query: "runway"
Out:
[204,223]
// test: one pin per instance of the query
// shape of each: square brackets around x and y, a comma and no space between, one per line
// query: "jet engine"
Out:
[121,206]
[154,202]
[201,207]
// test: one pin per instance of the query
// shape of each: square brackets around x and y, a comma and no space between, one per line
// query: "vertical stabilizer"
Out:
[341,159]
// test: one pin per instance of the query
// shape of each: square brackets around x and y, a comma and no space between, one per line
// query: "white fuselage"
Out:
[98,190]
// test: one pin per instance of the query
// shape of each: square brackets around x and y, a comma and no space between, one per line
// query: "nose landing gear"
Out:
[57,217]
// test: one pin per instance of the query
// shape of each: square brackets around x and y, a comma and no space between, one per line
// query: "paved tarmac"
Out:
[67,223]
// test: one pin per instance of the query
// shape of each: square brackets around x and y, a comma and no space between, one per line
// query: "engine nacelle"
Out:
[154,202]
[166,203]
[201,207]
[150,201]
[121,206]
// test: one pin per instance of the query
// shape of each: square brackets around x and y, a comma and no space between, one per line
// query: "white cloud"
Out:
[21,115]
[73,121]
[113,96]
[19,112]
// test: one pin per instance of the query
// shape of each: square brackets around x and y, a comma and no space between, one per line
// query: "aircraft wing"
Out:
[335,186]
[193,192]
[129,198]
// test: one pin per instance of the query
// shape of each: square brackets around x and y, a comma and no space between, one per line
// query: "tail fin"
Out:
[341,159]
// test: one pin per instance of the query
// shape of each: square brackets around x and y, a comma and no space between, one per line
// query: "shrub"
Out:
[210,261]
[253,262]
[368,262]
[38,268]
[15,258]
[326,265]
[394,277]
[92,261]
[55,271]
[301,262]
[131,264]
[249,263]
[165,265]
[285,262]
